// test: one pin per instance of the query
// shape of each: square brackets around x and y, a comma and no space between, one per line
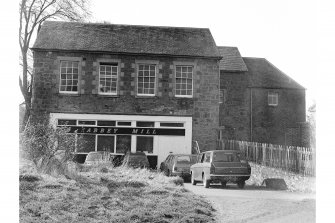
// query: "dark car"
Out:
[178,165]
[220,166]
[136,160]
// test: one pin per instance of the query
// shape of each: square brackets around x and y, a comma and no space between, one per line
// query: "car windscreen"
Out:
[226,157]
[186,159]
[94,157]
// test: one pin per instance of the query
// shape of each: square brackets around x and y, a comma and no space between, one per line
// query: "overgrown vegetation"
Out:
[295,182]
[107,194]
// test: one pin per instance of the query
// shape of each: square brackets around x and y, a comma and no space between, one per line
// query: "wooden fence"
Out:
[290,158]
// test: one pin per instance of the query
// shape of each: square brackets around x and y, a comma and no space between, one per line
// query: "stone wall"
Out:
[235,107]
[204,106]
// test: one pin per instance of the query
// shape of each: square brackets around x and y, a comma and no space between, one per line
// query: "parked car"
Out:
[97,157]
[220,166]
[136,160]
[178,165]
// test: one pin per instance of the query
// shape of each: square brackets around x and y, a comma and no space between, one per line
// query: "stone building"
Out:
[259,102]
[128,88]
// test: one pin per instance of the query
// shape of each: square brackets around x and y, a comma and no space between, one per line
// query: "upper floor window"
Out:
[146,79]
[108,78]
[272,98]
[69,76]
[184,83]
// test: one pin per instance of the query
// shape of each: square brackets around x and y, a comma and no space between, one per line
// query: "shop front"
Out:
[156,136]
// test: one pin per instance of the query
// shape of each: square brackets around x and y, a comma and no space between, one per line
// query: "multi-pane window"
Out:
[184,76]
[146,79]
[272,99]
[108,78]
[69,76]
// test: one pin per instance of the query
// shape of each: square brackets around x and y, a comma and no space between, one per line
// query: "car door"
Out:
[206,164]
[197,168]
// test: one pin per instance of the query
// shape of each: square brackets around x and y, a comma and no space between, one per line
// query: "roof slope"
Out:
[232,60]
[55,35]
[265,74]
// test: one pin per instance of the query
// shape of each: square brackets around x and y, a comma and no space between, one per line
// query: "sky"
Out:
[281,31]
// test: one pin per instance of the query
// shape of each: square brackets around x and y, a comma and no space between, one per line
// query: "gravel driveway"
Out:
[256,204]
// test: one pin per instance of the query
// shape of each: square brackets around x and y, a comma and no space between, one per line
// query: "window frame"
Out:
[271,96]
[101,63]
[137,82]
[97,77]
[175,80]
[69,59]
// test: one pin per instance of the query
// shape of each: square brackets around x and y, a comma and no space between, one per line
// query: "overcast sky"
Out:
[281,31]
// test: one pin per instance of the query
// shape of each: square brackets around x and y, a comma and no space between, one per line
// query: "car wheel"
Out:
[205,181]
[223,183]
[193,182]
[241,184]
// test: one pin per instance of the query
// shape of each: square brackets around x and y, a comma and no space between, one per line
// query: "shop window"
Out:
[69,76]
[105,143]
[123,143]
[146,79]
[106,123]
[108,78]
[124,123]
[86,122]
[67,142]
[272,98]
[67,122]
[184,83]
[85,143]
[145,144]
[171,124]
[145,124]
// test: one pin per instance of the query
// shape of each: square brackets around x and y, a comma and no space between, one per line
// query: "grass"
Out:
[295,182]
[105,194]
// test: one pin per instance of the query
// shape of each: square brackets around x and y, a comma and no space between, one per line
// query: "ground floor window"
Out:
[123,143]
[85,143]
[145,143]
[105,143]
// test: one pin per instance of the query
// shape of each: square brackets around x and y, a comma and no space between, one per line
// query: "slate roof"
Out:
[264,74]
[130,39]
[232,60]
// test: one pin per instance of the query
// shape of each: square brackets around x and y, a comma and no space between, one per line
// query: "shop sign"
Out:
[125,130]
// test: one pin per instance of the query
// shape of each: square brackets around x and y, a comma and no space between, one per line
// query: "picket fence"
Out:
[290,158]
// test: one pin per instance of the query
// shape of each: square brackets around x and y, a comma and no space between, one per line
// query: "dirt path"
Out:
[255,204]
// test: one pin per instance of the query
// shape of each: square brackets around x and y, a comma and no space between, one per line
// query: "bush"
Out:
[48,147]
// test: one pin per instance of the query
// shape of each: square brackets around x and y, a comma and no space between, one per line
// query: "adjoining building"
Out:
[259,102]
[128,88]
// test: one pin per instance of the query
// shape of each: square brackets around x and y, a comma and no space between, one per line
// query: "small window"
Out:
[146,79]
[223,95]
[86,122]
[145,124]
[171,124]
[272,99]
[67,122]
[184,85]
[69,76]
[106,123]
[145,144]
[108,78]
[124,123]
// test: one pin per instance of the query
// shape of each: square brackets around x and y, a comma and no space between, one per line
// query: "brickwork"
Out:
[204,106]
[235,107]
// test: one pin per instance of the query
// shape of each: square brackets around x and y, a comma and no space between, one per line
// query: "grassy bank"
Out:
[295,182]
[105,194]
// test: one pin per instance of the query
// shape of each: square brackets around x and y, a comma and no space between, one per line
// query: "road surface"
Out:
[257,204]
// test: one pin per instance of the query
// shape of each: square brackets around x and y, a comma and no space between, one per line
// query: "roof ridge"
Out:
[114,24]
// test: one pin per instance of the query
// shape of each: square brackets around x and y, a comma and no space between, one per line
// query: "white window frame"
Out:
[183,64]
[60,75]
[272,98]
[137,76]
[111,77]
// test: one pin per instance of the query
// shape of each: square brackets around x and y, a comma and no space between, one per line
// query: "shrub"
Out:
[177,181]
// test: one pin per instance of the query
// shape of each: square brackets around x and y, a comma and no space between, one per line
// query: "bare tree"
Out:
[32,14]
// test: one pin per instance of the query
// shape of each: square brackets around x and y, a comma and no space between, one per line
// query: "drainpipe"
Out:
[250,114]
